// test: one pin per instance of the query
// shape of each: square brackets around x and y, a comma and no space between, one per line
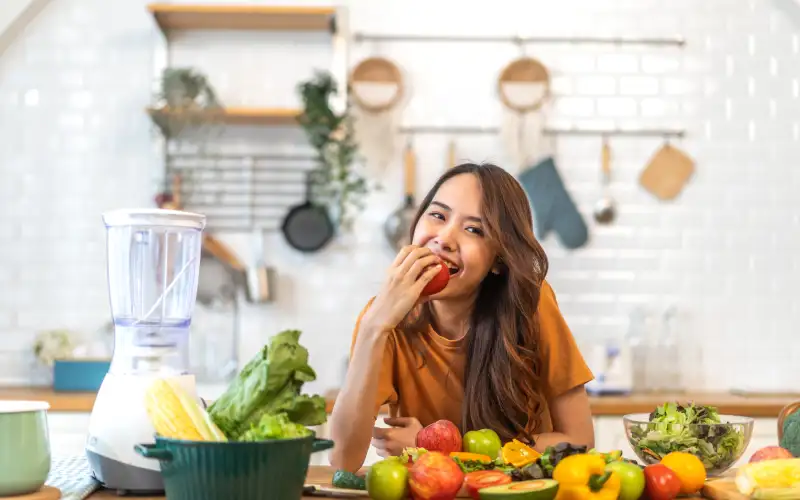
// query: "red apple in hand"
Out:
[435,476]
[438,283]
[442,436]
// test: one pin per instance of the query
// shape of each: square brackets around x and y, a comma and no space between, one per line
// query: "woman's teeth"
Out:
[453,269]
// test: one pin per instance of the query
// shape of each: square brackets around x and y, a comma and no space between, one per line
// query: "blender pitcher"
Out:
[153,268]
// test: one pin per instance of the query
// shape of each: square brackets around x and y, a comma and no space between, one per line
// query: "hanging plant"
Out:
[335,182]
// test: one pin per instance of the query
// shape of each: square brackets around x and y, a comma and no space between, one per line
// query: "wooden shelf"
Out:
[172,17]
[229,116]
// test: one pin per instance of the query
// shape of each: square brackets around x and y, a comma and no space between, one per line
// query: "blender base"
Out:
[126,479]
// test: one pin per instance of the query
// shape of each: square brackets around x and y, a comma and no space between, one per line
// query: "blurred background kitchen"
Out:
[675,275]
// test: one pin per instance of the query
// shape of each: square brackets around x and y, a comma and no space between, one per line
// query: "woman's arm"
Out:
[572,420]
[369,376]
[352,419]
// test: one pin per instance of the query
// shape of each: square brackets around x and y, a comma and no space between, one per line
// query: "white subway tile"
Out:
[575,106]
[616,106]
[595,85]
[638,85]
[617,63]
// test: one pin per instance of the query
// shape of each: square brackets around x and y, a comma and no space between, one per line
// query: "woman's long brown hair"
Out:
[502,377]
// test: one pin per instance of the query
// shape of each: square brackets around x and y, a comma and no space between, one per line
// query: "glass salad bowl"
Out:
[717,440]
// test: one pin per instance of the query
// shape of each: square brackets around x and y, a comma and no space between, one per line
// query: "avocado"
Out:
[536,489]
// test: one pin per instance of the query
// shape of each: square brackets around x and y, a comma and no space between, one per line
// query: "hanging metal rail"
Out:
[676,41]
[616,131]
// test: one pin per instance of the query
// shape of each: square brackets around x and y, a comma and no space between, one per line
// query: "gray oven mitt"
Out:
[553,208]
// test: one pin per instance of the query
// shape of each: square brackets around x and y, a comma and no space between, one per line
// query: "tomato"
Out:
[474,481]
[689,469]
[661,482]
[438,283]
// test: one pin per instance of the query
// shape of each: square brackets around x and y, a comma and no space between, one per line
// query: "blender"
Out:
[153,266]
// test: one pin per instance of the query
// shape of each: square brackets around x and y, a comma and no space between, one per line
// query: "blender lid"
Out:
[154,217]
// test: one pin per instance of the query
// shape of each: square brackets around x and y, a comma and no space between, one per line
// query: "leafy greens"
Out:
[264,399]
[694,429]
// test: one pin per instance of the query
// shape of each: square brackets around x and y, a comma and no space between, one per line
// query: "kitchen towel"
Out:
[552,205]
[71,474]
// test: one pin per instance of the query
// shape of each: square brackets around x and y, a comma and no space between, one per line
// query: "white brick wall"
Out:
[76,142]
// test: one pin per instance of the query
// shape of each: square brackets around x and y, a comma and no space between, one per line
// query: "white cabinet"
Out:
[609,434]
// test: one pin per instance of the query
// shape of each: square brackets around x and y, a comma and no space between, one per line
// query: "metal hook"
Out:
[519,41]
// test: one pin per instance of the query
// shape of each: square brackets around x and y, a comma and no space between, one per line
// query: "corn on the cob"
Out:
[770,479]
[175,415]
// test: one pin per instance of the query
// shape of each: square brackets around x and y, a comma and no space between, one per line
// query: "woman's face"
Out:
[452,228]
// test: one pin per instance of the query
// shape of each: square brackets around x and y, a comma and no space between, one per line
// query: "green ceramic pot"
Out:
[24,447]
[208,470]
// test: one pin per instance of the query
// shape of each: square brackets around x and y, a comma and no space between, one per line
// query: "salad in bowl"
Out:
[717,440]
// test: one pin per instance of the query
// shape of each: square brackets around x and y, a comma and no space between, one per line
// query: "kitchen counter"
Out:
[735,404]
[732,404]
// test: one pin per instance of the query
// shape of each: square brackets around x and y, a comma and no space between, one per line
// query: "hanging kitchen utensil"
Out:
[605,210]
[523,87]
[221,252]
[451,154]
[667,172]
[553,207]
[398,226]
[376,84]
[307,227]
[260,277]
[517,77]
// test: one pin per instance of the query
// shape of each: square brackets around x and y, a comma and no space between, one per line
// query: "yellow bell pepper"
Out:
[583,477]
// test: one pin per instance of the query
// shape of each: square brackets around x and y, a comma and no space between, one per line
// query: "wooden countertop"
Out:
[735,404]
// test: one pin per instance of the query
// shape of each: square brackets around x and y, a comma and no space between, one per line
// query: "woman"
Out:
[489,351]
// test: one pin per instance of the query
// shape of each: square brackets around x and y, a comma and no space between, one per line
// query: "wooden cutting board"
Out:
[723,488]
[667,172]
[320,477]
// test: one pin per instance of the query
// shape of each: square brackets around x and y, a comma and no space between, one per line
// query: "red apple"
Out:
[435,476]
[442,435]
[770,453]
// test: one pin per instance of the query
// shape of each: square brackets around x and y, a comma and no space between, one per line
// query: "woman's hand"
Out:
[392,441]
[412,269]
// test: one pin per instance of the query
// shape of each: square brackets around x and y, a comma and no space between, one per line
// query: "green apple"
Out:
[388,480]
[484,441]
[631,477]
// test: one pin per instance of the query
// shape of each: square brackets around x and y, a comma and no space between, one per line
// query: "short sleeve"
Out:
[386,391]
[563,365]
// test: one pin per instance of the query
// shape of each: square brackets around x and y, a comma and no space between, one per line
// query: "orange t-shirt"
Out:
[434,389]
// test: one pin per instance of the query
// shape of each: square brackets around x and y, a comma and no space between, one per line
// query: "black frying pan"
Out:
[308,227]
